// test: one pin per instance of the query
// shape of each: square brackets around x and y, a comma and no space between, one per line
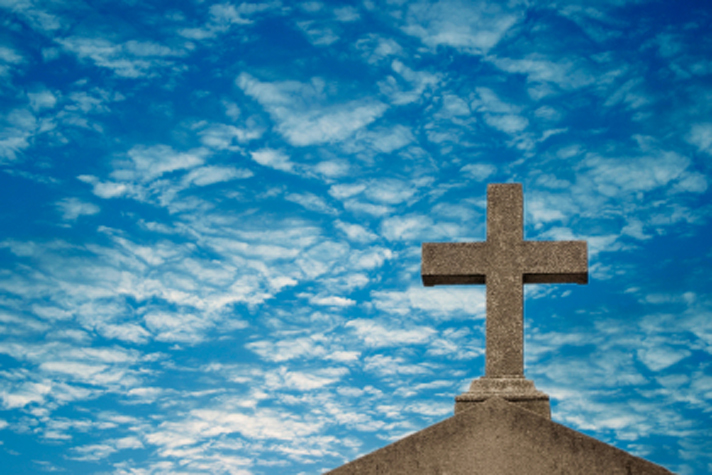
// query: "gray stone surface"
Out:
[502,425]
[504,263]
[520,391]
[498,438]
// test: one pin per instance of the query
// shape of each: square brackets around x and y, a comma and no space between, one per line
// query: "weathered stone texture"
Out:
[502,425]
[519,391]
[499,438]
[504,263]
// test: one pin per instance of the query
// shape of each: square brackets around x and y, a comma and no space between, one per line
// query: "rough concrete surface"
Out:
[520,391]
[498,438]
[504,263]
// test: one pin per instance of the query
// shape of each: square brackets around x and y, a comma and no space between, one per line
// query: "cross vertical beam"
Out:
[504,327]
[504,263]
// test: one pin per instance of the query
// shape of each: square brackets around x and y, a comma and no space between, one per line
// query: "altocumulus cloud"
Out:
[212,219]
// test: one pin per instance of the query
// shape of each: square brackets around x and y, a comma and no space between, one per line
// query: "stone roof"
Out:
[496,437]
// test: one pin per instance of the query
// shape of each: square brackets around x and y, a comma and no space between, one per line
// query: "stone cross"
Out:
[504,263]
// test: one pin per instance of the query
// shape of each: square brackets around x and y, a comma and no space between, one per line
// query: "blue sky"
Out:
[212,214]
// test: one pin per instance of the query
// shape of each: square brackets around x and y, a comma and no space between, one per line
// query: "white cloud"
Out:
[280,282]
[346,14]
[85,102]
[359,207]
[106,189]
[346,190]
[264,424]
[24,394]
[301,380]
[10,56]
[331,301]
[273,159]
[72,208]
[232,110]
[51,313]
[311,6]
[457,344]
[375,196]
[41,100]
[545,211]
[660,356]
[612,177]
[149,163]
[693,182]
[461,212]
[497,113]
[635,228]
[374,48]
[19,126]
[420,83]
[390,366]
[226,13]
[209,175]
[320,258]
[537,68]
[15,325]
[60,366]
[125,332]
[311,201]
[390,191]
[551,181]
[302,113]
[221,136]
[629,94]
[473,27]
[128,443]
[131,59]
[332,125]
[381,140]
[73,368]
[488,101]
[285,350]
[332,168]
[429,409]
[701,136]
[479,171]
[370,258]
[547,113]
[94,452]
[407,228]
[267,251]
[157,175]
[442,301]
[178,327]
[343,356]
[347,282]
[508,123]
[376,335]
[453,106]
[36,16]
[222,18]
[318,34]
[356,232]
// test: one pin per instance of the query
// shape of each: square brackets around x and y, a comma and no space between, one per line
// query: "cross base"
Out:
[519,391]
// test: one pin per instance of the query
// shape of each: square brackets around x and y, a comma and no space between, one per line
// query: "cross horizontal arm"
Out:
[454,263]
[555,262]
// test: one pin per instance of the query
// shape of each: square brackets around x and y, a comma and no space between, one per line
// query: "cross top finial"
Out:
[504,263]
